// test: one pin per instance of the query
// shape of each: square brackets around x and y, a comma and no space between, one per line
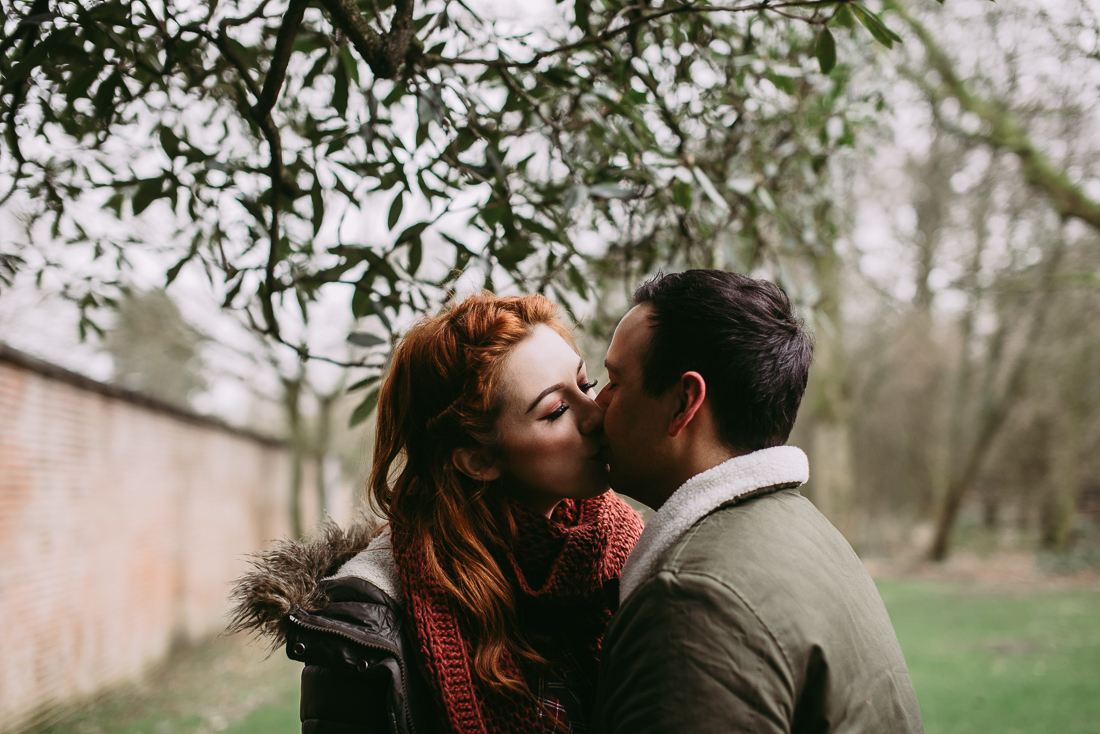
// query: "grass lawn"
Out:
[228,686]
[992,659]
[984,659]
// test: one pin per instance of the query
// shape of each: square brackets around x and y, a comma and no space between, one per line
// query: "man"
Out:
[742,608]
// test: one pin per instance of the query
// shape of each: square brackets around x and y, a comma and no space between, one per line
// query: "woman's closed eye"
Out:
[559,411]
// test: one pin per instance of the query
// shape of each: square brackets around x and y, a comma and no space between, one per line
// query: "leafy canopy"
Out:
[613,138]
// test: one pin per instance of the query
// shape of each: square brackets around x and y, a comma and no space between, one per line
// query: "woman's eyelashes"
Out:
[559,411]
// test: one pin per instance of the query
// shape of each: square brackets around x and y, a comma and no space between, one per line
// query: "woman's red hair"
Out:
[443,392]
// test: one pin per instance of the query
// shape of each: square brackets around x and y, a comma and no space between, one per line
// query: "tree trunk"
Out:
[996,408]
[292,392]
[324,433]
[831,486]
[1065,478]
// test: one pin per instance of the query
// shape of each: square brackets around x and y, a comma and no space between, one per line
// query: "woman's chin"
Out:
[601,487]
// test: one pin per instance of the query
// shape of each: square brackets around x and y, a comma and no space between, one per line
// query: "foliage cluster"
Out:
[265,138]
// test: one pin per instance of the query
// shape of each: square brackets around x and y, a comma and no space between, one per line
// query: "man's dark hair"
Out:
[743,337]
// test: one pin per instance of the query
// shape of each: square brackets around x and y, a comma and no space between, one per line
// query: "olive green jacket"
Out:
[757,618]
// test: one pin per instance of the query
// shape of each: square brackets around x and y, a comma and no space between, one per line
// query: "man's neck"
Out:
[694,464]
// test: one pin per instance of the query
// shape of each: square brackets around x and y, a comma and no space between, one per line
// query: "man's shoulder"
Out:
[773,532]
[782,558]
[763,598]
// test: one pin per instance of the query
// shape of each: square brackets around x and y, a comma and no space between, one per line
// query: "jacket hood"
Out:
[289,575]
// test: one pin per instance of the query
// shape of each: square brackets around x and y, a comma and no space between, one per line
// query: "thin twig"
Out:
[609,33]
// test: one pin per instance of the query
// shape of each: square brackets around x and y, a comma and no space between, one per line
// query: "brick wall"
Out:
[122,522]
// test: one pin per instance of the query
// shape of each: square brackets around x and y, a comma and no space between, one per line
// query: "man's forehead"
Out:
[631,338]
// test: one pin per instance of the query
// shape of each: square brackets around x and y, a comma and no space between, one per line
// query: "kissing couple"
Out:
[508,590]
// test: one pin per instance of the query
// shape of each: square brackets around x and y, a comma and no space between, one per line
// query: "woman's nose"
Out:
[591,417]
[602,398]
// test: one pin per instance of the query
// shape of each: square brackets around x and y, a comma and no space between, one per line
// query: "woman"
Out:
[479,607]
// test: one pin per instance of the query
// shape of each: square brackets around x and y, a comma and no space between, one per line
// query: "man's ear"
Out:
[475,465]
[691,392]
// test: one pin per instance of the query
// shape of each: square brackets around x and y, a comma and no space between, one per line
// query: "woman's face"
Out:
[550,425]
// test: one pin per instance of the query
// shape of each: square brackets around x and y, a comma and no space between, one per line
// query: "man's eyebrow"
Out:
[609,366]
[552,388]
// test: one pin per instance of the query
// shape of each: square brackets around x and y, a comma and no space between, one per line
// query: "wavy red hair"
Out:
[443,392]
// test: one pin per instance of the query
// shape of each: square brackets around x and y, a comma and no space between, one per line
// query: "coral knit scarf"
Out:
[557,571]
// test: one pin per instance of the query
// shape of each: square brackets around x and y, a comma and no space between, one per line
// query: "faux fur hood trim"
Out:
[288,576]
[755,473]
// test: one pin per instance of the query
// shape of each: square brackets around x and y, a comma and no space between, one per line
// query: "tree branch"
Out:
[609,33]
[373,47]
[1005,131]
[284,45]
[275,172]
[222,42]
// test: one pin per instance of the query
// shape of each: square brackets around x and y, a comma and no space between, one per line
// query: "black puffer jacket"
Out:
[361,674]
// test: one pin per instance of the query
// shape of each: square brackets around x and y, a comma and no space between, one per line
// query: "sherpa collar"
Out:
[375,564]
[767,469]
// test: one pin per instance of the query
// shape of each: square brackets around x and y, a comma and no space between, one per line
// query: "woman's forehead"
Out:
[541,360]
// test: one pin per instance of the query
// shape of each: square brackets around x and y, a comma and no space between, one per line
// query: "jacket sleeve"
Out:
[687,653]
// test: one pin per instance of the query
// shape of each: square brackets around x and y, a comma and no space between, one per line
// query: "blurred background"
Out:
[216,221]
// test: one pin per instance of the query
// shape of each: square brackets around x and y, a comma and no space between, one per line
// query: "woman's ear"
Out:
[475,465]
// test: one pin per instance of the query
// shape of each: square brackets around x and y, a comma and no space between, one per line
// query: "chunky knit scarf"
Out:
[557,571]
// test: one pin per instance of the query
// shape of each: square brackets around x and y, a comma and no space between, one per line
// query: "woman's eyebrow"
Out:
[552,388]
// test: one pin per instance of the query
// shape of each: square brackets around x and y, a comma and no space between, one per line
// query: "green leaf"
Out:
[782,82]
[148,192]
[416,254]
[874,24]
[365,408]
[576,280]
[360,301]
[104,97]
[80,82]
[318,67]
[115,203]
[365,383]
[826,51]
[351,67]
[35,57]
[233,291]
[513,253]
[575,195]
[366,339]
[843,18]
[682,194]
[308,44]
[395,209]
[610,191]
[340,84]
[709,189]
[317,200]
[412,232]
[169,142]
[174,271]
[492,214]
